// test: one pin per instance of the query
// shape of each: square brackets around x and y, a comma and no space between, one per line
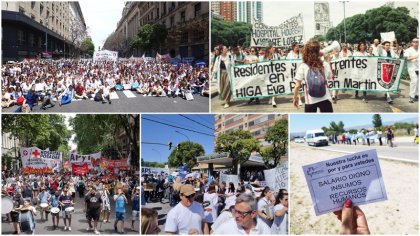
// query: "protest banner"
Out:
[105,55]
[388,36]
[277,178]
[115,164]
[79,169]
[154,170]
[78,158]
[229,178]
[283,35]
[356,176]
[277,77]
[37,161]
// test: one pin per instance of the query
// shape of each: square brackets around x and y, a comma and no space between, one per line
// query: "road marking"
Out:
[395,110]
[129,94]
[113,95]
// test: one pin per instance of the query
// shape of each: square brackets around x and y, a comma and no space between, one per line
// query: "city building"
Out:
[322,18]
[10,152]
[41,29]
[249,11]
[187,24]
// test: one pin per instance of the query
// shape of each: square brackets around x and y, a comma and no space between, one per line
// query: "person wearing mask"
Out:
[187,217]
[246,220]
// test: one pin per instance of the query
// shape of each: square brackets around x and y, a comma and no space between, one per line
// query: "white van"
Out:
[316,137]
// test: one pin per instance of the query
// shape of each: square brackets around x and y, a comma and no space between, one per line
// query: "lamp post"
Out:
[344,9]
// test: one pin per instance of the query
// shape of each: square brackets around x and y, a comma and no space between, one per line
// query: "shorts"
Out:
[135,215]
[120,216]
[93,215]
[65,214]
[15,216]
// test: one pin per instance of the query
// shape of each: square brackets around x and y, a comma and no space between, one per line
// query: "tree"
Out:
[278,136]
[230,33]
[377,121]
[239,144]
[186,152]
[368,26]
[42,131]
[88,47]
[149,37]
[78,33]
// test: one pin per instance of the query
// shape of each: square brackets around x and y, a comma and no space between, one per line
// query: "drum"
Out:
[7,205]
[26,220]
[44,206]
[55,210]
[69,210]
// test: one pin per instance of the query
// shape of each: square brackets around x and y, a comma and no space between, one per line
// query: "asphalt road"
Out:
[347,103]
[79,222]
[405,149]
[123,104]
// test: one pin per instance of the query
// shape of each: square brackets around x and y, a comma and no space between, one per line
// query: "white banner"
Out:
[229,178]
[282,35]
[80,159]
[388,36]
[154,170]
[274,78]
[105,55]
[37,161]
[278,177]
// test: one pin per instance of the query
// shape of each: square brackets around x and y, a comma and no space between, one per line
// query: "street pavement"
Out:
[130,102]
[404,150]
[347,103]
[78,222]
[162,208]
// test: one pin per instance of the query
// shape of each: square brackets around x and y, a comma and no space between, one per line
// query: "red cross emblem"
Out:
[36,154]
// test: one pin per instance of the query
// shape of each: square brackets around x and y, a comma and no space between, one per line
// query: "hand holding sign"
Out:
[353,220]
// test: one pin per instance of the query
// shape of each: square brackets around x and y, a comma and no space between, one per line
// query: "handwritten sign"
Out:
[277,178]
[356,176]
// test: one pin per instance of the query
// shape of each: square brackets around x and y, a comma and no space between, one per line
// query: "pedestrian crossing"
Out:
[114,95]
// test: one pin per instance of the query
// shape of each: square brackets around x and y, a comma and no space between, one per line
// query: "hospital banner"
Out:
[105,55]
[74,157]
[275,78]
[37,161]
[283,35]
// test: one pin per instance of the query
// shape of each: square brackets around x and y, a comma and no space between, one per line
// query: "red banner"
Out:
[80,169]
[116,164]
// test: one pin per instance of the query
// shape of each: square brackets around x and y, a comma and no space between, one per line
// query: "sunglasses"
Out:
[240,213]
[189,196]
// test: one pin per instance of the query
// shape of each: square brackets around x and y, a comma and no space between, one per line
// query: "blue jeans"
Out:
[65,100]
[120,216]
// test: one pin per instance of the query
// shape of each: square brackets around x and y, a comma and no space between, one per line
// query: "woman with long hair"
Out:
[315,74]
[361,52]
[149,221]
[265,205]
[270,54]
[281,214]
[222,67]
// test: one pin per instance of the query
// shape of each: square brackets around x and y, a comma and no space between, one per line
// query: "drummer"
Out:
[17,204]
[54,204]
[27,220]
[65,200]
[44,198]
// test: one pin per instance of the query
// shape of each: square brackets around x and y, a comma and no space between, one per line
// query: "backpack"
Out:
[316,83]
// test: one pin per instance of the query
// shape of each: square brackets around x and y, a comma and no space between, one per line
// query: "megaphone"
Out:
[334,46]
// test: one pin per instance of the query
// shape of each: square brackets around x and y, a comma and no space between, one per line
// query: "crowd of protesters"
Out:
[45,82]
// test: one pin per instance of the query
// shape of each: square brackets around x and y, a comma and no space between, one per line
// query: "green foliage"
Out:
[153,164]
[230,33]
[353,131]
[42,131]
[368,26]
[377,120]
[337,128]
[278,136]
[320,38]
[239,144]
[403,125]
[6,161]
[149,37]
[101,132]
[186,152]
[88,47]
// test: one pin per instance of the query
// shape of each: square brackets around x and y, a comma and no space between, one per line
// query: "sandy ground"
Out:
[398,215]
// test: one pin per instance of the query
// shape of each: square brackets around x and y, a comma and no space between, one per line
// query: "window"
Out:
[21,37]
[157,12]
[31,40]
[33,5]
[39,41]
[198,36]
[184,36]
[197,9]
[172,21]
[164,8]
[183,16]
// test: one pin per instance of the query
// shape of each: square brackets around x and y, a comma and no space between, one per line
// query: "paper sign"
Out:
[388,36]
[277,178]
[356,176]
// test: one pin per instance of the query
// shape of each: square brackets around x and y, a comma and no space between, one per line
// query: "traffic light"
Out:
[178,146]
[170,145]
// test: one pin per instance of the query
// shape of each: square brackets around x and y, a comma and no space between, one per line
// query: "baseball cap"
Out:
[187,190]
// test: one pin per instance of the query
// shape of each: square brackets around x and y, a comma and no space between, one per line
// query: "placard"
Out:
[277,178]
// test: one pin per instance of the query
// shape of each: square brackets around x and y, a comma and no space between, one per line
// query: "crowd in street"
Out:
[40,195]
[209,206]
[27,83]
[223,59]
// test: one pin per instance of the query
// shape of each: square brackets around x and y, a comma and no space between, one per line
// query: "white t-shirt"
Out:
[223,218]
[414,64]
[262,203]
[281,223]
[360,54]
[181,219]
[301,74]
[230,227]
[293,55]
[212,198]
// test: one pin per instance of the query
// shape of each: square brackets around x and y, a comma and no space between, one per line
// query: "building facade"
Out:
[249,11]
[187,24]
[322,18]
[35,29]
[257,124]
[9,147]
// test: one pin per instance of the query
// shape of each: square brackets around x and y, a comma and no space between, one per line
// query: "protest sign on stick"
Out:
[277,178]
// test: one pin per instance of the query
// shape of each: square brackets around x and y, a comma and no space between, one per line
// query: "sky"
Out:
[299,123]
[66,121]
[158,133]
[101,17]
[275,13]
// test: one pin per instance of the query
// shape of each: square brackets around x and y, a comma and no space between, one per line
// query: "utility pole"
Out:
[344,9]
